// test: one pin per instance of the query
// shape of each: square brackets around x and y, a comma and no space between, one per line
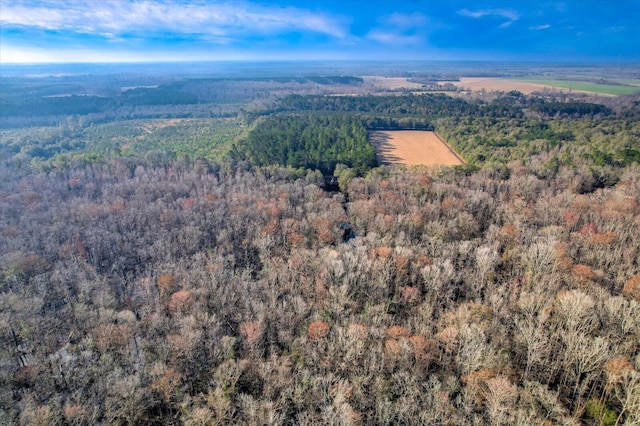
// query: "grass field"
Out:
[585,86]
[528,86]
[628,81]
[413,147]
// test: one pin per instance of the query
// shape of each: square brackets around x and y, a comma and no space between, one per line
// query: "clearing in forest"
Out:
[413,147]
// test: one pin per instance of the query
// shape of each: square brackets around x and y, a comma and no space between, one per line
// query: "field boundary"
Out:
[450,148]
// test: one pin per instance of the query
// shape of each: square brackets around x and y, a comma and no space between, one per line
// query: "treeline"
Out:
[325,80]
[310,141]
[88,113]
[426,105]
[153,291]
[571,109]
[54,106]
[511,105]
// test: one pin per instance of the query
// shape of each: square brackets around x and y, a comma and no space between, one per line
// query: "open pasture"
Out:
[588,86]
[530,85]
[413,147]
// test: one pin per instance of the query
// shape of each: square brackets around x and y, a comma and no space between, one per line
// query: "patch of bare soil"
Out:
[413,147]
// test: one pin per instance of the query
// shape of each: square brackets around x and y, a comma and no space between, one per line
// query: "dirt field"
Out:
[489,84]
[413,147]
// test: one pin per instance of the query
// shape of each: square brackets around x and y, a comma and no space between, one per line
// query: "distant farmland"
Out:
[413,147]
[529,86]
[587,86]
[502,84]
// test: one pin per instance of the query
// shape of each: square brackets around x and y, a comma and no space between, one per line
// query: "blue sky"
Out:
[143,30]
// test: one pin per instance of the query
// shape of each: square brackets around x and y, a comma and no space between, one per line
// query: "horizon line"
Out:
[337,60]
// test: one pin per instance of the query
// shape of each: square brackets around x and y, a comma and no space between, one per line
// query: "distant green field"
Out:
[629,81]
[606,89]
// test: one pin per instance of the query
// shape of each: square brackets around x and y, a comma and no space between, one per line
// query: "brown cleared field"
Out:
[413,147]
[505,85]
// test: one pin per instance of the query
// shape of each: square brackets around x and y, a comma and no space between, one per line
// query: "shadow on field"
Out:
[384,149]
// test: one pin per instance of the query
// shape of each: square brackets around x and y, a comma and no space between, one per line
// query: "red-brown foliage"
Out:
[296,240]
[252,332]
[448,337]
[563,261]
[474,382]
[75,414]
[582,273]
[397,332]
[324,231]
[384,252]
[423,349]
[392,349]
[509,235]
[401,263]
[616,368]
[604,238]
[570,219]
[166,284]
[589,229]
[318,329]
[180,301]
[166,384]
[423,260]
[271,228]
[189,203]
[632,288]
[410,295]
[115,207]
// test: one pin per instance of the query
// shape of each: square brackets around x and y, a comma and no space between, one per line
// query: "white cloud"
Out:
[222,19]
[509,14]
[505,13]
[540,27]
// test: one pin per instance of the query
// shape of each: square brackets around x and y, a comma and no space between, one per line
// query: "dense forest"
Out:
[197,271]
[26,102]
[192,293]
[310,141]
[323,131]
